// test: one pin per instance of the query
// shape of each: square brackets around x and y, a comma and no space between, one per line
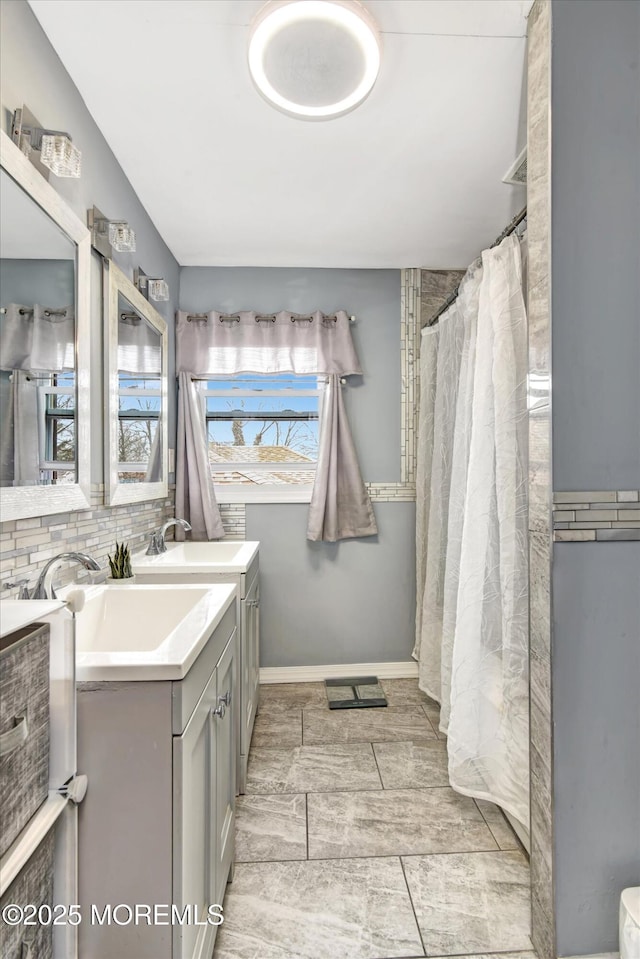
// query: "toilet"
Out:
[630,923]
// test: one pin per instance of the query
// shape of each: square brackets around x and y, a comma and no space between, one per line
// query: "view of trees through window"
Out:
[59,402]
[263,429]
[138,418]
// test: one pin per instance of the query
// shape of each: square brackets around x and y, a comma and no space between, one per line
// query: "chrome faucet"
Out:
[157,544]
[44,587]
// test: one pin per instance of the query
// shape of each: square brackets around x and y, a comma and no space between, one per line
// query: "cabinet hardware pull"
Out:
[226,699]
[220,709]
[14,737]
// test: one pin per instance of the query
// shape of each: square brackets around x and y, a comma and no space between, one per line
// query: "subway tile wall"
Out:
[596,516]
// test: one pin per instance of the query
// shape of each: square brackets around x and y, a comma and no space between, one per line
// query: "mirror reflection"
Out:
[139,397]
[37,344]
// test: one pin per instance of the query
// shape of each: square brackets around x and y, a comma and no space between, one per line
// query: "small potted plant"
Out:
[120,566]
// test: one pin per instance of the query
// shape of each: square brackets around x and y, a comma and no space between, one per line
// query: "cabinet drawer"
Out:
[24,728]
[32,886]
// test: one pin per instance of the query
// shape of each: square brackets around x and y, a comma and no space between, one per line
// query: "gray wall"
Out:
[596,678]
[596,244]
[321,603]
[373,402]
[353,601]
[47,282]
[596,429]
[31,73]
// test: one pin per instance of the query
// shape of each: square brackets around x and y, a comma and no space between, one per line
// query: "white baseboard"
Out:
[314,674]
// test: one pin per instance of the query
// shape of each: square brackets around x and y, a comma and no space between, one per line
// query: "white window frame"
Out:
[281,493]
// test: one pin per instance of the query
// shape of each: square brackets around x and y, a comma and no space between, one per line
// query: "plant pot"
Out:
[129,581]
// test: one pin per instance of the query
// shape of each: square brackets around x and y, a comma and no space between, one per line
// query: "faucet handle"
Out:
[153,548]
[24,588]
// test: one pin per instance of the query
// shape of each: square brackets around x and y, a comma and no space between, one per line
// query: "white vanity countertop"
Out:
[142,633]
[220,556]
[16,613]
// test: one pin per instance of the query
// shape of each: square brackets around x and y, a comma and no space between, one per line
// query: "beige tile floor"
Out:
[350,844]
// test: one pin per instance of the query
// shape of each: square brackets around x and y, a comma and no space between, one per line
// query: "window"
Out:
[57,397]
[262,436]
[139,400]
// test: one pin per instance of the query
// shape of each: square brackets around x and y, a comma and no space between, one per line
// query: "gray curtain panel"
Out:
[340,505]
[37,338]
[195,496]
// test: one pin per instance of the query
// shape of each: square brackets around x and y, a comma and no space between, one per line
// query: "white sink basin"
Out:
[144,632]
[231,557]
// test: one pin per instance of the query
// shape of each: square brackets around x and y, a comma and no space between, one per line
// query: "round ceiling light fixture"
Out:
[314,59]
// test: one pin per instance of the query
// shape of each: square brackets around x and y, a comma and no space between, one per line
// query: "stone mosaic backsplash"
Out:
[26,544]
[596,516]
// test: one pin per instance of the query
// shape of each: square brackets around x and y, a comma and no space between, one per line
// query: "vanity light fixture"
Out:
[52,149]
[314,59]
[109,235]
[155,287]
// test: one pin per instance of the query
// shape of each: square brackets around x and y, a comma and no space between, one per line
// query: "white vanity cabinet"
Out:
[223,562]
[158,825]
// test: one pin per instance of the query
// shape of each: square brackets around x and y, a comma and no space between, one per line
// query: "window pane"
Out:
[223,406]
[135,438]
[254,381]
[61,439]
[145,406]
[262,441]
[129,381]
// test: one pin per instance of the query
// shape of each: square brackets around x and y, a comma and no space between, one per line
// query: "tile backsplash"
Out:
[26,544]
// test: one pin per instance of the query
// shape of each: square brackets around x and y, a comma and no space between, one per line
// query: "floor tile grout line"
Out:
[519,846]
[486,822]
[436,732]
[404,855]
[413,908]
[306,814]
[375,759]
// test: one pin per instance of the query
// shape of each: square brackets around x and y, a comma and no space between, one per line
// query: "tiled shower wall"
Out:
[26,544]
[540,501]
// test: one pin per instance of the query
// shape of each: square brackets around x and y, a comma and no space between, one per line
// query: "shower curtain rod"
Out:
[517,220]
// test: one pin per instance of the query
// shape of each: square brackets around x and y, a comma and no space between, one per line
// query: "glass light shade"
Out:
[158,289]
[314,59]
[122,238]
[58,153]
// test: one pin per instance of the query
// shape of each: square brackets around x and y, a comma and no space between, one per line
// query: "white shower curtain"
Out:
[472,622]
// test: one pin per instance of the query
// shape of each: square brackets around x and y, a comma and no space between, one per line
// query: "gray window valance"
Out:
[217,344]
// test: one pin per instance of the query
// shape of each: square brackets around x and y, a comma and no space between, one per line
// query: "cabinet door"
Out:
[194,838]
[225,778]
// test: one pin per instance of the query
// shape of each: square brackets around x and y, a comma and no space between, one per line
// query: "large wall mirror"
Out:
[44,345]
[136,354]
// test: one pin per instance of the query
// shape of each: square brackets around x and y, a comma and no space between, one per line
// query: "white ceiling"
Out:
[410,178]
